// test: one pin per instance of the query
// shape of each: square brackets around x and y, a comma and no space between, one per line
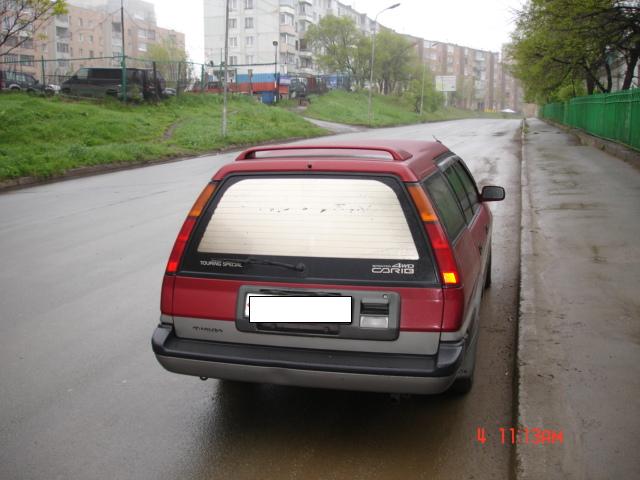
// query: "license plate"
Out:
[262,308]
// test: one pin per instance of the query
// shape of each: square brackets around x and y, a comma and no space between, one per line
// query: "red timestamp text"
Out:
[521,435]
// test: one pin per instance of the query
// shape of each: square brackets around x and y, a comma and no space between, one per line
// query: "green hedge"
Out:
[614,116]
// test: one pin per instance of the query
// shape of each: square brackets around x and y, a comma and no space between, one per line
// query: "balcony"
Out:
[288,29]
[305,17]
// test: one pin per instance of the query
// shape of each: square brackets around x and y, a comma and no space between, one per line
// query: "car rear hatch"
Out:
[323,261]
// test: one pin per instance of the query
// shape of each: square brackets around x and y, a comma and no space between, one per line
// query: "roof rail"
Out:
[396,154]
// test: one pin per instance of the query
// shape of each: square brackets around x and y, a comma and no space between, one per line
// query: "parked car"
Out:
[357,266]
[102,82]
[24,82]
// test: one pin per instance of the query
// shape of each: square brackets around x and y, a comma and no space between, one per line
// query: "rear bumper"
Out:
[376,372]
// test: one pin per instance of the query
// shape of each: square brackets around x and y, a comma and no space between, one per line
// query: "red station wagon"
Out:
[358,266]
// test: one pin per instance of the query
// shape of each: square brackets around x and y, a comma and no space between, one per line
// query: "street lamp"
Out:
[424,68]
[275,72]
[373,50]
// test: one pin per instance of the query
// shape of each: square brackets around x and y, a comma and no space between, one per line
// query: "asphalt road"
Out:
[81,394]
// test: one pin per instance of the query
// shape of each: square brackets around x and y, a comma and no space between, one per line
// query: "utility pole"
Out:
[275,72]
[226,62]
[124,61]
[373,50]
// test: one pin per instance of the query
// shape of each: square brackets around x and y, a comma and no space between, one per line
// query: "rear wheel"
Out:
[464,382]
[487,277]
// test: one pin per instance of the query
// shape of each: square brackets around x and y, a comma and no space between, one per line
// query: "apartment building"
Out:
[90,32]
[254,26]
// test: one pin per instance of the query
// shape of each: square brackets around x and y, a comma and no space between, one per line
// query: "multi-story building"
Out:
[254,26]
[475,71]
[90,34]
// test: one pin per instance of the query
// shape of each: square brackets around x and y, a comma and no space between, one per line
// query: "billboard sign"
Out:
[446,83]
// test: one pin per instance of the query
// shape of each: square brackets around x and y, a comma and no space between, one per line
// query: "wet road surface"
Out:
[82,396]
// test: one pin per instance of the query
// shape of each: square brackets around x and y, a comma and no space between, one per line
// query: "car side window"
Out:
[82,74]
[459,191]
[447,205]
[469,185]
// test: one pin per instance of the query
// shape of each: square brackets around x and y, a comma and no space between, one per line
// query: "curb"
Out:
[623,152]
[526,297]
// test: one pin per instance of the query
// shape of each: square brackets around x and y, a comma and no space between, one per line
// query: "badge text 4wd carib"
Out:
[402,268]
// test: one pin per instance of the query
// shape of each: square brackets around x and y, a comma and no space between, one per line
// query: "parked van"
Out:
[102,82]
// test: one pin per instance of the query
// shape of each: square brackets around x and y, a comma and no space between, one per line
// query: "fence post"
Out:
[124,78]
[42,68]
[179,77]
[202,83]
[156,85]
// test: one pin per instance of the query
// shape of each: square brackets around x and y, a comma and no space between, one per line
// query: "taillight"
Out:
[447,265]
[187,228]
[166,295]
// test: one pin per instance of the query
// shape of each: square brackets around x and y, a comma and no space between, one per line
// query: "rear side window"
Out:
[459,191]
[469,185]
[355,229]
[446,204]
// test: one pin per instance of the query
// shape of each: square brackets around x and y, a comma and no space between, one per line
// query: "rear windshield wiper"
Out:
[299,267]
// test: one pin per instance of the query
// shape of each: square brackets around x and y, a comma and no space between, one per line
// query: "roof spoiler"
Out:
[396,154]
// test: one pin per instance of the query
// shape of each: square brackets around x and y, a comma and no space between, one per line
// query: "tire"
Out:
[487,277]
[462,386]
[464,382]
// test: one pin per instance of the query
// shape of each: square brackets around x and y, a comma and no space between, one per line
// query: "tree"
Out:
[171,62]
[430,99]
[560,43]
[337,43]
[395,61]
[21,19]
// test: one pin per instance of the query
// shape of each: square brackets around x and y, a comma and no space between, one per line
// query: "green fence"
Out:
[614,116]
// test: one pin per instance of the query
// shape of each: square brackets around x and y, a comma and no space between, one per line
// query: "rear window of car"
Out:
[340,228]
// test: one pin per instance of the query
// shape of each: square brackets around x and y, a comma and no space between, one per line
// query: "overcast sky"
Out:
[482,24]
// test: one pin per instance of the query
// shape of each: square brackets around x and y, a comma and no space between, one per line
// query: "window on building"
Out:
[233,23]
[91,38]
[62,47]
[286,19]
[81,52]
[26,60]
[249,41]
[233,42]
[233,60]
[10,58]
[250,59]
[248,4]
[91,53]
[248,22]
[80,37]
[81,22]
[142,47]
[233,4]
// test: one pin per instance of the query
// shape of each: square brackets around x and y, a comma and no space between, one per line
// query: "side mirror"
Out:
[491,193]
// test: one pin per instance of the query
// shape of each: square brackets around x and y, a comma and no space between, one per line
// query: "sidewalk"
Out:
[579,333]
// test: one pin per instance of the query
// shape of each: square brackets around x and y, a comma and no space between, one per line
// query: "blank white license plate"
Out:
[286,309]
